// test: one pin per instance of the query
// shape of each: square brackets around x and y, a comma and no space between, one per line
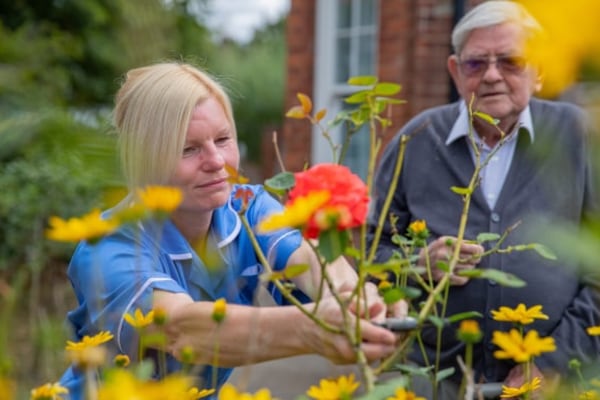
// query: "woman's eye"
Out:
[189,151]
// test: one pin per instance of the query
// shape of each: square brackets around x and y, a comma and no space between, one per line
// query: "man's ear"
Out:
[452,64]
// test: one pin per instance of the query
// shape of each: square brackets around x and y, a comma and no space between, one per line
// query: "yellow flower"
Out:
[219,309]
[519,348]
[509,392]
[385,285]
[7,388]
[87,357]
[417,227]
[123,384]
[49,391]
[195,394]
[296,214]
[88,341]
[331,389]
[469,331]
[90,227]
[161,199]
[520,315]
[571,35]
[229,392]
[139,320]
[589,395]
[121,360]
[593,331]
[402,394]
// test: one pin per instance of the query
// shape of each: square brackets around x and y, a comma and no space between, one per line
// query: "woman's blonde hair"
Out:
[152,111]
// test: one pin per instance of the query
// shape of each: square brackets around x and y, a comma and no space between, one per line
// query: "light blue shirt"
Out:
[118,275]
[496,165]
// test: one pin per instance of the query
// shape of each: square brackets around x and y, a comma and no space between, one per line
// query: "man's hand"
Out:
[442,249]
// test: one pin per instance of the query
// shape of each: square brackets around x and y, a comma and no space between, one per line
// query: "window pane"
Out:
[366,55]
[367,12]
[343,59]
[344,8]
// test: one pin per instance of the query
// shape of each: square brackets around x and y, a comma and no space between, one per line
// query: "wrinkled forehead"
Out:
[500,39]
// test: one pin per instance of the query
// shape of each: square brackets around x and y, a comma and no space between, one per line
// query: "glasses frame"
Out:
[477,66]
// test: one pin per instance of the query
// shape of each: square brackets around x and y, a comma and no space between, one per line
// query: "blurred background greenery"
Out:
[60,65]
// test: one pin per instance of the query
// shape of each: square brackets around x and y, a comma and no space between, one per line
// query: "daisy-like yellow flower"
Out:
[589,395]
[469,331]
[90,227]
[510,392]
[138,320]
[521,349]
[219,309]
[593,330]
[195,394]
[123,384]
[7,388]
[403,394]
[296,214]
[49,391]
[121,360]
[229,392]
[417,228]
[90,341]
[160,199]
[519,315]
[332,389]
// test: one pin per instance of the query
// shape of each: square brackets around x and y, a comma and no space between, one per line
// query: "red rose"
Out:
[348,204]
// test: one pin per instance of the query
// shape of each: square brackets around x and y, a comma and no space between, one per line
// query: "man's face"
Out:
[492,68]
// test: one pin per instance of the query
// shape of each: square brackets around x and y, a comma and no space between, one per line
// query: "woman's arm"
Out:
[255,334]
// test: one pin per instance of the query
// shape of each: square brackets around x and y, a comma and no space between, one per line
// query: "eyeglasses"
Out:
[477,66]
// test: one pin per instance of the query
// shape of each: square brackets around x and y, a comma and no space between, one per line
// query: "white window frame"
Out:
[327,93]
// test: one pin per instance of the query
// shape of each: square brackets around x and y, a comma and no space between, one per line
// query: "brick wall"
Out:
[414,43]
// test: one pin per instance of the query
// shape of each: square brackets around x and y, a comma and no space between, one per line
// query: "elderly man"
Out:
[539,172]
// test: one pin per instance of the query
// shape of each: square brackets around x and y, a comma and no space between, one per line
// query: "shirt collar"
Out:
[461,125]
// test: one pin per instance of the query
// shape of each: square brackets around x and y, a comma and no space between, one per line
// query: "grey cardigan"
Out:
[548,180]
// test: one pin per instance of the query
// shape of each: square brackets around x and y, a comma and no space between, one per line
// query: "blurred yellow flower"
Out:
[121,360]
[121,384]
[235,176]
[219,309]
[90,227]
[160,199]
[527,387]
[229,392]
[49,391]
[570,39]
[469,331]
[403,394]
[138,320]
[520,314]
[593,330]
[332,389]
[7,388]
[296,214]
[195,394]
[589,395]
[90,341]
[87,357]
[521,349]
[417,227]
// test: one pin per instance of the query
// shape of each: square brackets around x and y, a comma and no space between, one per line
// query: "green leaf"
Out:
[386,389]
[461,190]
[503,278]
[295,270]
[387,89]
[437,321]
[413,370]
[487,237]
[391,296]
[280,183]
[357,98]
[442,266]
[443,374]
[487,118]
[332,244]
[464,315]
[364,80]
[544,251]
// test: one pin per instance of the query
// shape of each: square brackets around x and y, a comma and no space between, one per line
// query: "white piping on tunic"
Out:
[133,299]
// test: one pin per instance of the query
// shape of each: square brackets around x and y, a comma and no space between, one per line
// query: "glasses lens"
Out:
[474,66]
[511,63]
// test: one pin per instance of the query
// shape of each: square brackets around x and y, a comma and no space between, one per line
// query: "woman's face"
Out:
[210,145]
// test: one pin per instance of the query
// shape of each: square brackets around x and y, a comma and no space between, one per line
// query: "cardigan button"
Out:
[495,217]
